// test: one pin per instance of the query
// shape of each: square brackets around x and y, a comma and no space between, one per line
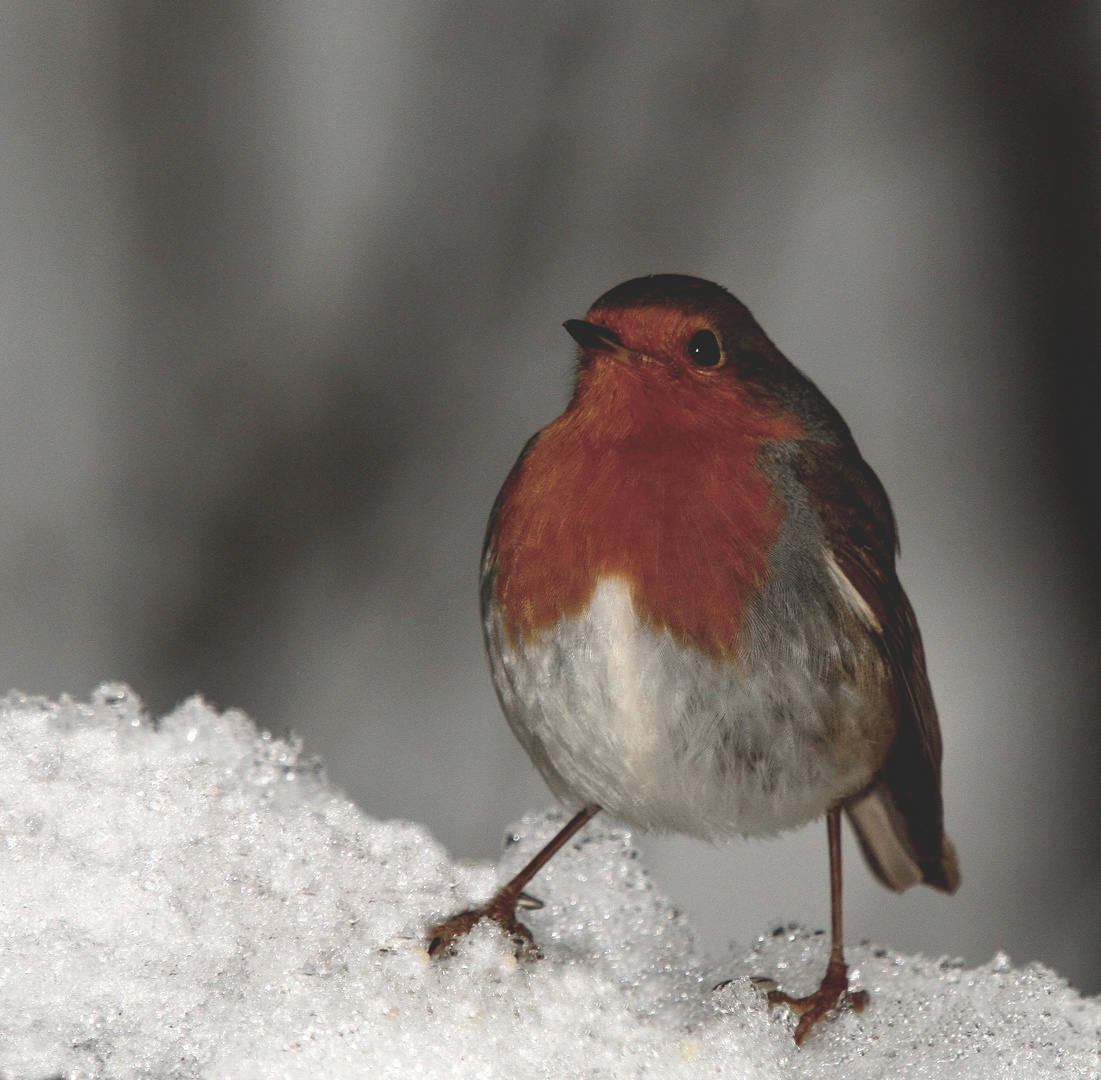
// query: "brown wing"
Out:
[899,819]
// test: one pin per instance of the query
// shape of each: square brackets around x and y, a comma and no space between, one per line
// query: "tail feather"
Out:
[889,850]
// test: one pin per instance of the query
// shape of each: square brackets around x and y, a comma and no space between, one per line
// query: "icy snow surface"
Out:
[190,898]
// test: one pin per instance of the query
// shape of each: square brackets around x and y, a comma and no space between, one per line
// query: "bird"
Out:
[692,613]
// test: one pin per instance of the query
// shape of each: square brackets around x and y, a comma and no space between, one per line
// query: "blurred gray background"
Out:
[282,287]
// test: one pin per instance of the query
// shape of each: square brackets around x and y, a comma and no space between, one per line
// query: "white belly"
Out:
[663,738]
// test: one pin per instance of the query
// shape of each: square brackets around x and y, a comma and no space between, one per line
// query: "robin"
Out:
[692,614]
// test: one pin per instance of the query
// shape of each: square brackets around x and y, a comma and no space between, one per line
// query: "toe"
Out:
[441,940]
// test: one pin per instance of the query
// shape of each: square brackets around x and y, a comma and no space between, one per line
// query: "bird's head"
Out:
[669,344]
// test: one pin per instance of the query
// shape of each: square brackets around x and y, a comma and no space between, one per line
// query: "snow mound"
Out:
[190,898]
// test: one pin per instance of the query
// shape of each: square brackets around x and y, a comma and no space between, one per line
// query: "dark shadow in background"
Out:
[1047,80]
[1037,64]
[1040,83]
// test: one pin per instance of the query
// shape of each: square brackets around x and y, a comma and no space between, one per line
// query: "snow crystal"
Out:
[190,898]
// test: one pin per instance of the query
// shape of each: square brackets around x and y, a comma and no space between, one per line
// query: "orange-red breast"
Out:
[691,608]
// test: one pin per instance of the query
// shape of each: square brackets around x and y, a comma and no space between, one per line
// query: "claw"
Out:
[441,939]
[502,908]
[832,996]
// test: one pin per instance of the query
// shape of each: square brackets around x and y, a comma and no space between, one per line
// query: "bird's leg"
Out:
[834,993]
[502,908]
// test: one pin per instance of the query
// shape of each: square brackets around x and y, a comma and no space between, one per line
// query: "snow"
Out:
[191,898]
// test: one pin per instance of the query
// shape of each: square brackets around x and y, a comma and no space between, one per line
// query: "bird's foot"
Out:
[833,995]
[501,910]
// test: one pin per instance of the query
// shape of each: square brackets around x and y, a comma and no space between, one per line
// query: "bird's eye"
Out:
[704,349]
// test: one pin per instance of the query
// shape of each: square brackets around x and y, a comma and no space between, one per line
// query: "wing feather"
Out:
[899,818]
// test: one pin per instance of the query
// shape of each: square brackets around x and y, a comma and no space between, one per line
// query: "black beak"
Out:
[596,338]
